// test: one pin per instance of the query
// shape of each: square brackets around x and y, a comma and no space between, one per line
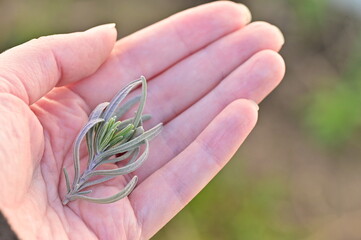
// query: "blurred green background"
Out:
[298,175]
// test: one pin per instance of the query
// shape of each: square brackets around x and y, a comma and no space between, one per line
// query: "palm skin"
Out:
[200,65]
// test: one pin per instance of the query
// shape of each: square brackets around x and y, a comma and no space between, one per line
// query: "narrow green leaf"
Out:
[125,130]
[126,137]
[116,124]
[130,148]
[135,156]
[100,134]
[107,137]
[130,144]
[115,140]
[126,169]
[92,183]
[77,143]
[125,123]
[125,108]
[97,112]
[66,179]
[85,192]
[114,103]
[139,112]
[90,144]
[122,194]
[104,132]
[121,158]
[138,131]
[122,135]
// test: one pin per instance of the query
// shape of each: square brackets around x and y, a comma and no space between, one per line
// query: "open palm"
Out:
[200,64]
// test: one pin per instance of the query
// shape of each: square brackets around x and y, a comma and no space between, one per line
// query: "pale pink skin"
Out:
[201,64]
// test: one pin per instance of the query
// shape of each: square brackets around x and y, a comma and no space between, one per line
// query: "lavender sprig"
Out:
[107,137]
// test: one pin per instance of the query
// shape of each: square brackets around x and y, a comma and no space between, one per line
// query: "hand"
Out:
[201,65]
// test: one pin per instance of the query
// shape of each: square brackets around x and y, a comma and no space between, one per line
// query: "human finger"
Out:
[158,47]
[161,196]
[32,69]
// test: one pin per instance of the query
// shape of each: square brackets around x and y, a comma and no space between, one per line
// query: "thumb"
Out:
[32,69]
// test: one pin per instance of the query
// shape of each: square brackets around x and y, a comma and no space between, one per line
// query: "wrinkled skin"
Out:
[201,64]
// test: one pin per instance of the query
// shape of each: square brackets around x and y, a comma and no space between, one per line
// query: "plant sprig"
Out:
[110,140]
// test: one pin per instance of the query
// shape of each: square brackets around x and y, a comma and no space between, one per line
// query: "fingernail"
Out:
[104,26]
[247,17]
[254,104]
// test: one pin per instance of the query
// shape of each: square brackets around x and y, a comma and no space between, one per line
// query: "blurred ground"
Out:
[297,176]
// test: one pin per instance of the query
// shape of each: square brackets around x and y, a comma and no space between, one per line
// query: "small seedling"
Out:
[111,140]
